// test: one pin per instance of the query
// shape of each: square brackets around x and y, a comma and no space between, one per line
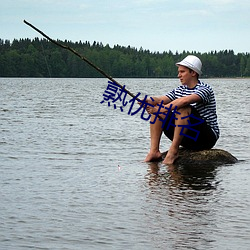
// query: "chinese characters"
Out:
[116,96]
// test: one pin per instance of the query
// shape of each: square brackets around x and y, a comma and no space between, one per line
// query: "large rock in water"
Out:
[204,157]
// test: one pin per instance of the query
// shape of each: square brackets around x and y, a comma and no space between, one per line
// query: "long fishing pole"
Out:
[82,57]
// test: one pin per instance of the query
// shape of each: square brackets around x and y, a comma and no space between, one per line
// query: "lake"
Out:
[72,173]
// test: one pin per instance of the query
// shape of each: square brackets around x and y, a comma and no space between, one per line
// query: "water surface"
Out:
[72,175]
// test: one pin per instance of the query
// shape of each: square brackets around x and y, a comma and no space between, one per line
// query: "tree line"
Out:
[41,58]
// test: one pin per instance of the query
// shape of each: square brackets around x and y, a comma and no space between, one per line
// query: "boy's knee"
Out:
[185,109]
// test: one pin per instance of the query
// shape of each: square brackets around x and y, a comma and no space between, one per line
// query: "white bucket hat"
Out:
[191,62]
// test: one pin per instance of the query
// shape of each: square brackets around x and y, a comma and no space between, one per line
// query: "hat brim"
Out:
[190,66]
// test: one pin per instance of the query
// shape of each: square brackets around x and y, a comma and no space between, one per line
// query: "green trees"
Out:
[40,58]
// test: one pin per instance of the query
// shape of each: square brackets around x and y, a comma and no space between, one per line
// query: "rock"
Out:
[213,157]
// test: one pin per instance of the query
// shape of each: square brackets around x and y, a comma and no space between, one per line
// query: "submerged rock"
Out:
[204,157]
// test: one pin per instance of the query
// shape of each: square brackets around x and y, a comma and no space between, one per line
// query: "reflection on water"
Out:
[189,177]
[184,195]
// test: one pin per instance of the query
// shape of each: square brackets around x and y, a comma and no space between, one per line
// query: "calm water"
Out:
[72,175]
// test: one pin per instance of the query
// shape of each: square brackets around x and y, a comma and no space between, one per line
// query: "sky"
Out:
[155,25]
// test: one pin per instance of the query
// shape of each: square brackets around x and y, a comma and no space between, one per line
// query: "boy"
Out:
[191,103]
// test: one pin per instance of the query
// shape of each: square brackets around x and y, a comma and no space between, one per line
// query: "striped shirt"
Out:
[206,108]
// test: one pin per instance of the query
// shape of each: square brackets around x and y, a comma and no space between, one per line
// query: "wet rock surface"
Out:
[204,157]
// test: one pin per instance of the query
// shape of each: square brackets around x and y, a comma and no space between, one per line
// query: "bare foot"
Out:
[153,156]
[170,157]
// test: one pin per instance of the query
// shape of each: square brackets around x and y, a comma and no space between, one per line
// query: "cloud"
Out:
[84,6]
[222,2]
[149,2]
[225,5]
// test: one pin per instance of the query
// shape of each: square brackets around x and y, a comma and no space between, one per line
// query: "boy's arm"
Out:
[184,101]
[154,100]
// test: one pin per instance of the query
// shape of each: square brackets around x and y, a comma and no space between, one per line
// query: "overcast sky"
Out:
[157,25]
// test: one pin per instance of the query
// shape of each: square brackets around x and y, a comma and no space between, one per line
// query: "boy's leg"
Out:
[173,151]
[155,137]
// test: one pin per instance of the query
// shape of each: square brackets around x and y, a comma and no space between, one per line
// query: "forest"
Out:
[41,58]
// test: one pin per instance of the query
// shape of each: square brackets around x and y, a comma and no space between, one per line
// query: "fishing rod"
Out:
[83,58]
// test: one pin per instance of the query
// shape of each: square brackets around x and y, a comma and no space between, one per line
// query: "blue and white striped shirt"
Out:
[206,108]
